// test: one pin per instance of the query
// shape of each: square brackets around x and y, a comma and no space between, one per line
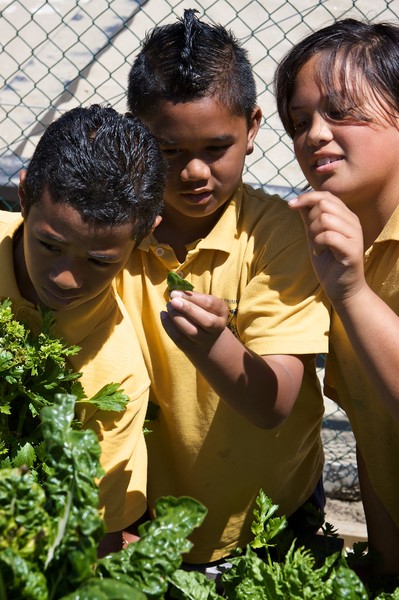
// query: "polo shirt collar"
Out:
[9,287]
[391,229]
[221,237]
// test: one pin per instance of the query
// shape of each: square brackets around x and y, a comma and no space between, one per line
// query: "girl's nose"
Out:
[319,131]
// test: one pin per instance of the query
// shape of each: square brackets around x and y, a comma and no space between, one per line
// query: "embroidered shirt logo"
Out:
[232,318]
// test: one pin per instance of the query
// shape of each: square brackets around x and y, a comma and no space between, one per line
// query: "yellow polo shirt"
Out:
[256,259]
[110,354]
[375,430]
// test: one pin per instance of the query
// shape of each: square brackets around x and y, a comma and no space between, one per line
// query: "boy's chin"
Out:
[59,303]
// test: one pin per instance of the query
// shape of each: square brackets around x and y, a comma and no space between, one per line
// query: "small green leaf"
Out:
[25,456]
[175,282]
[110,397]
[265,527]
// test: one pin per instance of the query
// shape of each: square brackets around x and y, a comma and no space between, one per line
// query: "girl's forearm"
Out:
[373,329]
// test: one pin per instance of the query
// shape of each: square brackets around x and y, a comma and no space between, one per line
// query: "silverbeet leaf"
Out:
[105,589]
[49,531]
[148,564]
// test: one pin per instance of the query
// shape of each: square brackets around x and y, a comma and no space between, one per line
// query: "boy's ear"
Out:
[157,221]
[21,190]
[253,128]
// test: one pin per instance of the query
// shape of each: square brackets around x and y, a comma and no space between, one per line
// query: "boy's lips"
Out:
[196,197]
[64,301]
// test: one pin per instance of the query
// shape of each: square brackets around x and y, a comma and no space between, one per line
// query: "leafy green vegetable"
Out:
[192,585]
[31,366]
[50,526]
[72,496]
[148,564]
[109,397]
[24,523]
[386,596]
[20,578]
[175,282]
[33,369]
[49,531]
[294,578]
[52,529]
[264,527]
[105,589]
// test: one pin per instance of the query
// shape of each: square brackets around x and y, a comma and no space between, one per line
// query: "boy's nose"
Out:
[195,170]
[66,279]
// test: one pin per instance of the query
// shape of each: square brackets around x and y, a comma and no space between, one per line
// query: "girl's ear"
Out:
[253,128]
[21,190]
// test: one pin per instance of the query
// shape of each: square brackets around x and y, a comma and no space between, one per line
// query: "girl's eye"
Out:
[336,114]
[341,112]
[300,125]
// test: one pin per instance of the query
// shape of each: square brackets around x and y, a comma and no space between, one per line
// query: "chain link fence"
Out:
[58,54]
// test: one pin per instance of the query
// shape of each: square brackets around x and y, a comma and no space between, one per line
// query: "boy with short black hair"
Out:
[241,344]
[92,190]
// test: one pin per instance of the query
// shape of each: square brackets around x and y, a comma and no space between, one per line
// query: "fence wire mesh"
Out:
[61,53]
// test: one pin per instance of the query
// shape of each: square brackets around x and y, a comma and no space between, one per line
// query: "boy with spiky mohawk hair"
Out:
[92,190]
[232,367]
[186,62]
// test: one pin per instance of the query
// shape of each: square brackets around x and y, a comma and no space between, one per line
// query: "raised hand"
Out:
[336,243]
[194,321]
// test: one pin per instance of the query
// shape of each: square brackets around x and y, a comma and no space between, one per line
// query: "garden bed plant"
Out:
[50,525]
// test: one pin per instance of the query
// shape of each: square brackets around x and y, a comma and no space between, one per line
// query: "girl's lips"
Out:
[325,164]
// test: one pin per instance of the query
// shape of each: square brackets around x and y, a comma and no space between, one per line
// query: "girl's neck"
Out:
[373,219]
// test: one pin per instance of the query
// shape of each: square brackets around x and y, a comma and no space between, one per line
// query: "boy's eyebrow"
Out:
[104,256]
[224,138]
[228,137]
[101,255]
[51,236]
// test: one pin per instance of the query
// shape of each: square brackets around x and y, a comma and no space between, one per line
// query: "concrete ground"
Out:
[344,508]
[348,519]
